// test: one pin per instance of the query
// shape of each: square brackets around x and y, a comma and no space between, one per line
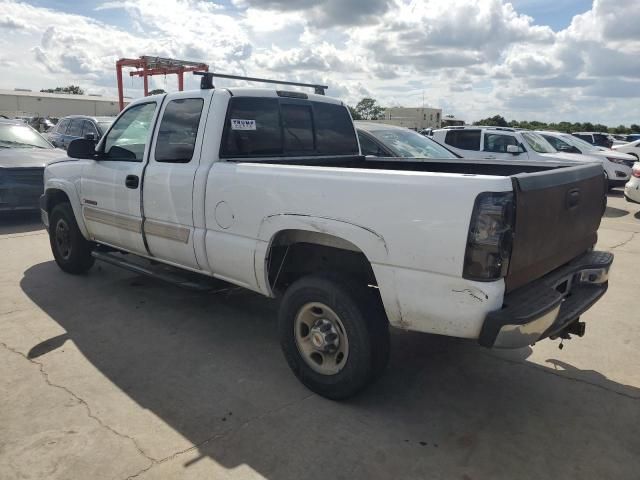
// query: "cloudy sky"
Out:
[550,60]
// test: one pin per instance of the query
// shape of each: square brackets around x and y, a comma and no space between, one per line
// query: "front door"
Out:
[169,178]
[494,147]
[111,185]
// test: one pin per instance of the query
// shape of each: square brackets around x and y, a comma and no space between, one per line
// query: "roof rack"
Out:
[206,83]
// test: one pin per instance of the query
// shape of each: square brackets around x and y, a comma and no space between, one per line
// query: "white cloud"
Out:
[472,57]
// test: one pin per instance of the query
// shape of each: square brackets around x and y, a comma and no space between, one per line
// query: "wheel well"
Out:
[296,253]
[54,197]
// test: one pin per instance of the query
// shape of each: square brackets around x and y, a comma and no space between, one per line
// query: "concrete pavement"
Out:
[114,376]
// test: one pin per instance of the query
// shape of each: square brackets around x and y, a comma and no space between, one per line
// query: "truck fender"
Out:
[370,243]
[71,192]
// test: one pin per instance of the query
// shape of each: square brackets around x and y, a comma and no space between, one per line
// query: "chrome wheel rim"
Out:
[63,239]
[321,338]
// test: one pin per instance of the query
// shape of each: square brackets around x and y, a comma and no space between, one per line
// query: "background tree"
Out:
[71,89]
[156,91]
[495,121]
[354,113]
[368,109]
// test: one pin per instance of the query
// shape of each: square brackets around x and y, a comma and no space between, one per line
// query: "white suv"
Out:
[502,143]
[617,165]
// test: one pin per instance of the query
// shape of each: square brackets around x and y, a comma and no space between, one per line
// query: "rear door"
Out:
[169,176]
[111,185]
[558,213]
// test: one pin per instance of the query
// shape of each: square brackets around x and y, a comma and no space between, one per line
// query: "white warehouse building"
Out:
[413,118]
[26,103]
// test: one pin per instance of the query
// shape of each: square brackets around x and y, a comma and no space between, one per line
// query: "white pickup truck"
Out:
[266,189]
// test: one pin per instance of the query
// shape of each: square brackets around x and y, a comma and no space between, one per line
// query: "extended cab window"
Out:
[463,139]
[271,127]
[178,130]
[369,147]
[127,139]
[497,142]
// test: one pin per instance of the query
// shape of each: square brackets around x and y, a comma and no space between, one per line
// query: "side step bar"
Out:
[165,273]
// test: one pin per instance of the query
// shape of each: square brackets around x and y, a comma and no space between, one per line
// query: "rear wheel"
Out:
[71,250]
[334,334]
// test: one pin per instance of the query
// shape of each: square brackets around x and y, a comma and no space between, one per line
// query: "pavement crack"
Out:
[556,373]
[83,402]
[622,244]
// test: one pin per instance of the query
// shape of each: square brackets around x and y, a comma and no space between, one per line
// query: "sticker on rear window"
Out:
[239,124]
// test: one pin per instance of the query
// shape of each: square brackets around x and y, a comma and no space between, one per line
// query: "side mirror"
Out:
[81,148]
[90,136]
[514,149]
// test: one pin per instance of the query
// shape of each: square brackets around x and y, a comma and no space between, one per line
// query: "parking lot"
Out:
[112,375]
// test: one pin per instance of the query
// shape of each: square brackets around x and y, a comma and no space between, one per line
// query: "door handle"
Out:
[132,181]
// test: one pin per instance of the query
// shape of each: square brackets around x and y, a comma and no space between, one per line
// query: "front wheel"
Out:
[334,334]
[71,250]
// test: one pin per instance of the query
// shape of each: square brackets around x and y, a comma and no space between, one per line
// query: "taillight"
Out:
[490,237]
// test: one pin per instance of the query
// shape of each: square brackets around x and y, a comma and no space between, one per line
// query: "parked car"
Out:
[617,166]
[632,148]
[42,124]
[632,188]
[23,156]
[267,189]
[380,140]
[78,126]
[598,139]
[503,144]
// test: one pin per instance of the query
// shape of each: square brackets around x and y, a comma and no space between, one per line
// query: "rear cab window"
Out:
[463,139]
[286,127]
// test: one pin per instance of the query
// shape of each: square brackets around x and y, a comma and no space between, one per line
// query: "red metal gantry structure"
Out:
[147,66]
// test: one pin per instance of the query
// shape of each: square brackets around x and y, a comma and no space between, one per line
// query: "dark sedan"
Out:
[78,126]
[382,140]
[23,155]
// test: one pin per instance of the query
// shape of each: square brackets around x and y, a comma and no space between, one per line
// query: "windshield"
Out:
[538,143]
[579,143]
[21,136]
[407,143]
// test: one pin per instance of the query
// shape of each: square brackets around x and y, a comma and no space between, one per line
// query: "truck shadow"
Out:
[20,222]
[210,367]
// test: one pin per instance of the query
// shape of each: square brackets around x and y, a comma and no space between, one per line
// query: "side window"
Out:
[252,128]
[89,127]
[463,139]
[62,126]
[556,142]
[178,130]
[75,129]
[369,147]
[297,127]
[586,138]
[496,142]
[127,139]
[335,134]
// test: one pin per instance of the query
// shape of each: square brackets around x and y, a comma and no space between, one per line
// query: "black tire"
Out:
[71,250]
[366,328]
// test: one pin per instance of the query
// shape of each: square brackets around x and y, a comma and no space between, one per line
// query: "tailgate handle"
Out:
[573,198]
